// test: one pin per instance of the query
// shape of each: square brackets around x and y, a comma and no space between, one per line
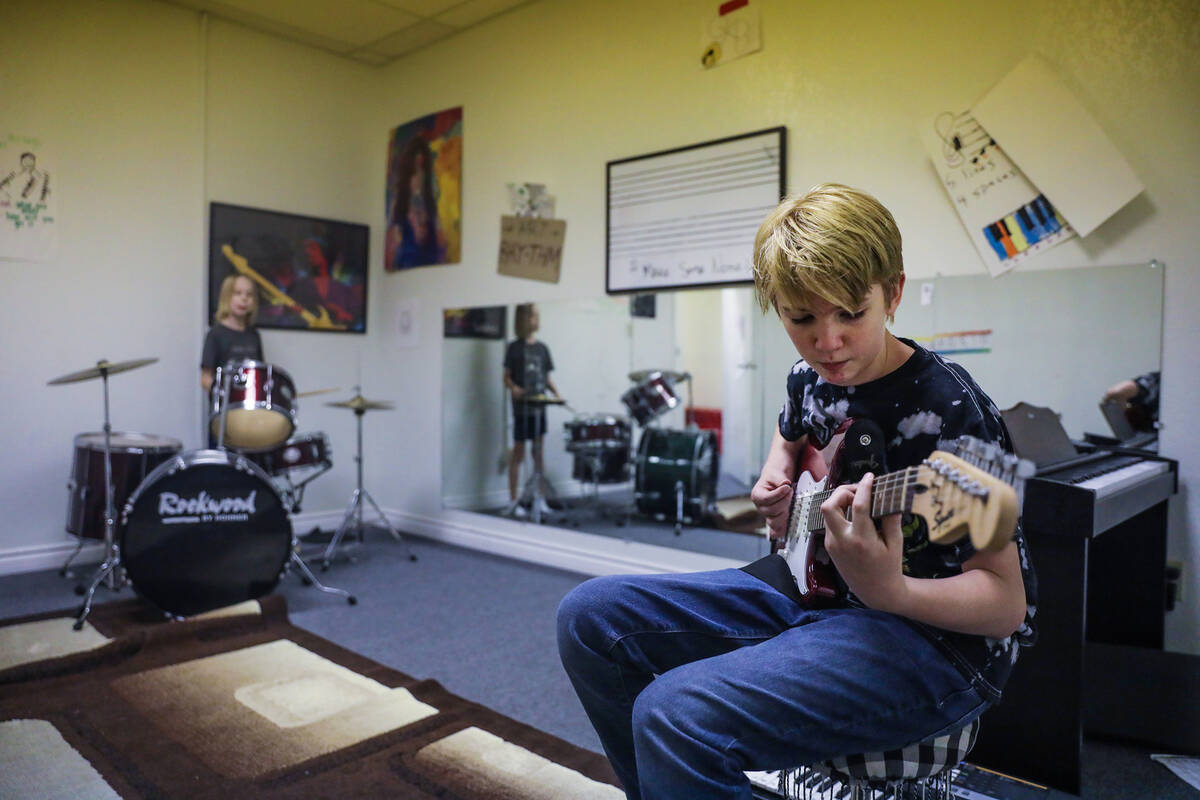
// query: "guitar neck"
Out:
[892,493]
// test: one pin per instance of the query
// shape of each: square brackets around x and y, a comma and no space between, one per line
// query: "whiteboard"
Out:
[687,217]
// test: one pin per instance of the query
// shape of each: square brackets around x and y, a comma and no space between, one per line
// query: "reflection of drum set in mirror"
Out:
[674,471]
[203,529]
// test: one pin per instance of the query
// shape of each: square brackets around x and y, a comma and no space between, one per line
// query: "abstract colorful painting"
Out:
[424,198]
[311,273]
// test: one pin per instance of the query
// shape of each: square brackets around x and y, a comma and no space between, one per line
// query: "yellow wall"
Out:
[151,114]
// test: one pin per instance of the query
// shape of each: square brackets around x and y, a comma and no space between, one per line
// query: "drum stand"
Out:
[590,496]
[354,511]
[109,572]
[531,493]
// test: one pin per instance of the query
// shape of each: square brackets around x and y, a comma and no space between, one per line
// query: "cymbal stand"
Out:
[109,572]
[354,511]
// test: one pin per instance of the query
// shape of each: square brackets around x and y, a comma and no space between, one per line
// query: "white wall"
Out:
[550,92]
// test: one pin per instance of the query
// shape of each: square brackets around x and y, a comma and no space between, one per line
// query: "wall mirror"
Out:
[1053,338]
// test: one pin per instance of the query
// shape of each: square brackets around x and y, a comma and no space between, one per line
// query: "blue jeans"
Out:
[691,679]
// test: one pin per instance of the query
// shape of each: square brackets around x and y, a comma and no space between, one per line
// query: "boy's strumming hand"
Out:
[772,496]
[869,560]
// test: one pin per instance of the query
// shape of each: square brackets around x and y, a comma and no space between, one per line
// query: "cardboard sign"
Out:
[531,247]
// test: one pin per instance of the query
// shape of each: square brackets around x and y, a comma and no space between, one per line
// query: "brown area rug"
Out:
[245,704]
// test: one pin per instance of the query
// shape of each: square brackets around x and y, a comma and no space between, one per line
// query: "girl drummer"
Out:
[233,336]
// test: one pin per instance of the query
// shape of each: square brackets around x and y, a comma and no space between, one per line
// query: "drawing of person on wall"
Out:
[27,183]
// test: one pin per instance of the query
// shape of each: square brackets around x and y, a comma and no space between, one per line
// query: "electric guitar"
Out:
[967,487]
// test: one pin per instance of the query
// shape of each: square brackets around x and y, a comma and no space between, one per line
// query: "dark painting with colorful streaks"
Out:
[311,273]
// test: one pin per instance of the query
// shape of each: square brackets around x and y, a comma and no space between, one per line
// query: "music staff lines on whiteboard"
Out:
[687,217]
[696,188]
[676,174]
[691,245]
[754,214]
[735,178]
[625,240]
[755,154]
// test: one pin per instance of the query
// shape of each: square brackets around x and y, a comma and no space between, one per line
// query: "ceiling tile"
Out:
[423,8]
[411,38]
[355,22]
[474,11]
[370,57]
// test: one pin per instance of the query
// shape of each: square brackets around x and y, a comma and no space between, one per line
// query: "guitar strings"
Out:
[891,493]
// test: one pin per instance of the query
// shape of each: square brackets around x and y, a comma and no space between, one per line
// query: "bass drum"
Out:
[206,529]
[669,458]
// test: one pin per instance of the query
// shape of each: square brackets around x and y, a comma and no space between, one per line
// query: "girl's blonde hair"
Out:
[225,299]
[522,320]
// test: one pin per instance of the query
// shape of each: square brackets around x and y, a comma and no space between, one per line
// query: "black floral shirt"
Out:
[926,399]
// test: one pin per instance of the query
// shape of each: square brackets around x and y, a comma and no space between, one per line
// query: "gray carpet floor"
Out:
[484,627]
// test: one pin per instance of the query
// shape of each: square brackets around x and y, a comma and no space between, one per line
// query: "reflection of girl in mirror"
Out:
[413,235]
[527,367]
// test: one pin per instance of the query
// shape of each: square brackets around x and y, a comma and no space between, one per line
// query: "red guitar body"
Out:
[816,576]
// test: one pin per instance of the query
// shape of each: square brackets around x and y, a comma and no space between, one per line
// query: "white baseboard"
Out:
[49,556]
[585,553]
[497,498]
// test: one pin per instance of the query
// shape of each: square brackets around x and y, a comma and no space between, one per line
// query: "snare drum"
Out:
[133,456]
[668,457]
[601,466]
[302,450]
[597,432]
[262,405]
[653,396]
[600,443]
[206,529]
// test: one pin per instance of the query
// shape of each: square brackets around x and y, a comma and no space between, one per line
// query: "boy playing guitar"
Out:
[691,679]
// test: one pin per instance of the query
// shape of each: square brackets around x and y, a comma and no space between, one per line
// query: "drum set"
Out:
[203,529]
[674,471]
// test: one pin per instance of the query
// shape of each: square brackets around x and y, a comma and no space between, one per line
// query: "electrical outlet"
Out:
[1174,584]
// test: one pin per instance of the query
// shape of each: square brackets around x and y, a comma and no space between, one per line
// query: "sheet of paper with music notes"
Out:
[1006,217]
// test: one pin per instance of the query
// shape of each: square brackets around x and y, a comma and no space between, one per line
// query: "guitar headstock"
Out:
[971,487]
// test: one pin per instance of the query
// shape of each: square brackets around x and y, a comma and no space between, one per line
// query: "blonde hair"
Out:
[522,320]
[225,299]
[832,242]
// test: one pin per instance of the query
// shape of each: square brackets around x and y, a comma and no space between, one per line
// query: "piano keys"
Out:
[1096,493]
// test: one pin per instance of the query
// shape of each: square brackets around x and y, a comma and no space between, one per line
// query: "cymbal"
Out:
[640,375]
[102,368]
[315,392]
[360,403]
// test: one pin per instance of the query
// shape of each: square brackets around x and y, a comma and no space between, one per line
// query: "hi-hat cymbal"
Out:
[673,375]
[315,392]
[102,368]
[360,403]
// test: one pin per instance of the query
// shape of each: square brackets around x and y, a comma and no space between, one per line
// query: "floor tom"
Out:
[134,455]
